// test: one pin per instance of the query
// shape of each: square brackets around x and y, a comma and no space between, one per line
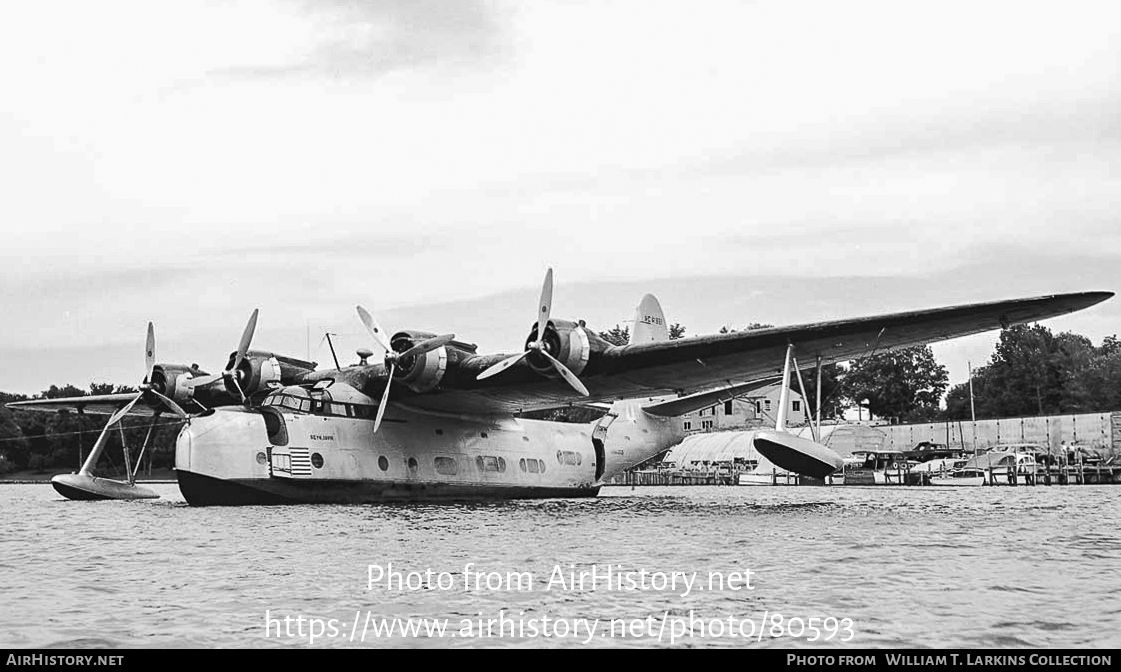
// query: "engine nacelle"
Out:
[567,341]
[170,380]
[419,373]
[262,371]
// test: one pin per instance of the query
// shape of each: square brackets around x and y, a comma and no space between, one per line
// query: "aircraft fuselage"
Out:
[274,455]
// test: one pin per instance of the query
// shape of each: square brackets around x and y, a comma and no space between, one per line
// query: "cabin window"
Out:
[412,464]
[490,463]
[727,408]
[796,406]
[567,457]
[446,466]
[535,466]
[706,424]
[688,425]
[383,463]
[767,404]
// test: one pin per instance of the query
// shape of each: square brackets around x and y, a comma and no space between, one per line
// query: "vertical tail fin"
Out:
[649,322]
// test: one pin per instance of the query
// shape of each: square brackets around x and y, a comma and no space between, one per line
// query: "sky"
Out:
[777,162]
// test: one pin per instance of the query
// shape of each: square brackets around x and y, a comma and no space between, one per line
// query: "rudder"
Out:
[649,322]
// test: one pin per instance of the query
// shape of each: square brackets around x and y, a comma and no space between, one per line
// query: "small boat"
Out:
[958,477]
[875,467]
[1004,467]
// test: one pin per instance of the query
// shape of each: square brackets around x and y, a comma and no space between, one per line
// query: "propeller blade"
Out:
[203,380]
[384,397]
[566,374]
[237,385]
[545,306]
[428,345]
[171,405]
[150,353]
[502,366]
[116,417]
[246,339]
[375,329]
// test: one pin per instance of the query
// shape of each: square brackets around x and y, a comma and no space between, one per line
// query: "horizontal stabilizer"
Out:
[693,402]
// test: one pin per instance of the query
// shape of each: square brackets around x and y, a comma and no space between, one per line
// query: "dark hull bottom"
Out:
[793,460]
[70,492]
[84,487]
[201,490]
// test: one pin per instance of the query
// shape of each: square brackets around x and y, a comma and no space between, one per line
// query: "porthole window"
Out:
[383,463]
[446,466]
[317,460]
[262,458]
[412,464]
[502,464]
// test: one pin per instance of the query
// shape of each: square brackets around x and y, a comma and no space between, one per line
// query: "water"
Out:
[970,567]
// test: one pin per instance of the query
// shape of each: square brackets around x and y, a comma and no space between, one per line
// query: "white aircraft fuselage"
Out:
[276,455]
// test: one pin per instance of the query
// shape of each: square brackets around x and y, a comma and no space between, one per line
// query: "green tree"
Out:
[14,451]
[903,385]
[752,325]
[1034,372]
[617,335]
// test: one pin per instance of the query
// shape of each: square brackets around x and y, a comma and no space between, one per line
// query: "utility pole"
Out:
[972,409]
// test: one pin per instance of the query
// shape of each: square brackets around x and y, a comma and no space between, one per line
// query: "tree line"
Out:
[42,440]
[1031,372]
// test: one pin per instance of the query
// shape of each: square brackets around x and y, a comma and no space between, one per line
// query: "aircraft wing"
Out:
[101,404]
[698,364]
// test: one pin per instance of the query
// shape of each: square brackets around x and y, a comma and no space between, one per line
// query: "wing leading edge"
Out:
[102,404]
[698,364]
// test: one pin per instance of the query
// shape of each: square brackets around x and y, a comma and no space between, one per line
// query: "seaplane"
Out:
[436,420]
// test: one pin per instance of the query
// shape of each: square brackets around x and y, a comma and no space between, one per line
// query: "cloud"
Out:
[368,39]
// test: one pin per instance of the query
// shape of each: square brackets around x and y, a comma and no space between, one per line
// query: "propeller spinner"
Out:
[545,307]
[392,357]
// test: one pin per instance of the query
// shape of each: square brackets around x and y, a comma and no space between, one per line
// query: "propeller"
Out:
[231,372]
[146,387]
[545,307]
[392,357]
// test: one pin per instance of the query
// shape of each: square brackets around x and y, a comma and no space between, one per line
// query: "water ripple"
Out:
[933,567]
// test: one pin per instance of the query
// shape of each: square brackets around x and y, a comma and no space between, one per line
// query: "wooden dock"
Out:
[1043,475]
